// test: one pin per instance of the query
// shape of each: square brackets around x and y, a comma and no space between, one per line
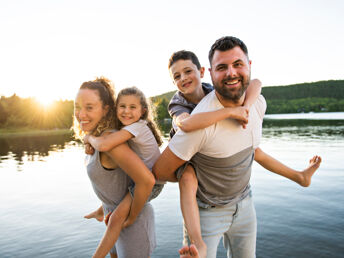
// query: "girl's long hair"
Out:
[147,109]
[106,92]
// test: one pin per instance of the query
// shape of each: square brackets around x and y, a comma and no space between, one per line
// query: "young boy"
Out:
[186,73]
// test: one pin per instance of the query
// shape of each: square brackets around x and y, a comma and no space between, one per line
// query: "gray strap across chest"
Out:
[223,180]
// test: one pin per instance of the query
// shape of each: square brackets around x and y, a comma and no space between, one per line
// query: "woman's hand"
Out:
[128,222]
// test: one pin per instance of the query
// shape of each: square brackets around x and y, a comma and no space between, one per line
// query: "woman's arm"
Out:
[303,177]
[107,142]
[144,180]
[252,93]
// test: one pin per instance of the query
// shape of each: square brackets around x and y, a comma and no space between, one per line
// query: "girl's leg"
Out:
[188,187]
[97,214]
[114,227]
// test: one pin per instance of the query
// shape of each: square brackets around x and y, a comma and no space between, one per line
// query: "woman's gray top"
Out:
[111,185]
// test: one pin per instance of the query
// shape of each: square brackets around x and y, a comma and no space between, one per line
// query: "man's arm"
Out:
[166,165]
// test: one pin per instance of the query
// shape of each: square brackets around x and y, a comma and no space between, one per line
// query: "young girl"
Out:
[186,73]
[94,115]
[136,126]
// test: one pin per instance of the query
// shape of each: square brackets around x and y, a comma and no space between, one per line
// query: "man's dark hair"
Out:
[226,43]
[184,55]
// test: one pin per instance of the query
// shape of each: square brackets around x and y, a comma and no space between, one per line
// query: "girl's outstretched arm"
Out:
[106,142]
[303,177]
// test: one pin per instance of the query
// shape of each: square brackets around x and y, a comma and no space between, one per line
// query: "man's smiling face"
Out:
[230,73]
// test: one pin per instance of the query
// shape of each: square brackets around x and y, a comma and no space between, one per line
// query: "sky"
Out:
[48,48]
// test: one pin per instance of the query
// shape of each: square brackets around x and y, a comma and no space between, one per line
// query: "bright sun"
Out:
[45,102]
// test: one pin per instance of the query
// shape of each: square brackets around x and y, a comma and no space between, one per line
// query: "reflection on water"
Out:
[32,148]
[42,208]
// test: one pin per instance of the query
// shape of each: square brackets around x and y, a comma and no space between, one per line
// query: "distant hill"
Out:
[320,89]
[167,96]
[321,96]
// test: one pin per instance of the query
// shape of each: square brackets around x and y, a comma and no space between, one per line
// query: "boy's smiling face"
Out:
[186,76]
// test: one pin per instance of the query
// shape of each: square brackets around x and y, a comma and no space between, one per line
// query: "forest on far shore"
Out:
[322,96]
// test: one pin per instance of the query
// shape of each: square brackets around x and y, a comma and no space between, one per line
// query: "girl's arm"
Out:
[189,123]
[107,142]
[303,177]
[252,93]
[139,173]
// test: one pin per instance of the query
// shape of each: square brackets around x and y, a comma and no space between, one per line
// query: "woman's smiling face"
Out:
[88,109]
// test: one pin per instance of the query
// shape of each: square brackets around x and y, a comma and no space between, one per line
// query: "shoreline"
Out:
[31,132]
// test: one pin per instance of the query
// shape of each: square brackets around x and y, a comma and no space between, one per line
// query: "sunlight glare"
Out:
[45,101]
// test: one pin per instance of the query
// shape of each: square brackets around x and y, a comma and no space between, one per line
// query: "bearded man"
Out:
[222,155]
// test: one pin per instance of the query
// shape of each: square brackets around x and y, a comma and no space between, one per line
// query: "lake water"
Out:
[45,192]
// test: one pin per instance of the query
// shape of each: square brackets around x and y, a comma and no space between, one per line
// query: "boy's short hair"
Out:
[226,43]
[184,55]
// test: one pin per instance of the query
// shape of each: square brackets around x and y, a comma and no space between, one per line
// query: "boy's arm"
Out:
[107,142]
[301,177]
[189,123]
[253,91]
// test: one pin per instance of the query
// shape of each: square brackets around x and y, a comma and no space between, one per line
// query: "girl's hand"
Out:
[89,149]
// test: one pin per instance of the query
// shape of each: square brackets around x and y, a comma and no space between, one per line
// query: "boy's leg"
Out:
[114,227]
[240,239]
[189,252]
[188,187]
[306,175]
[97,214]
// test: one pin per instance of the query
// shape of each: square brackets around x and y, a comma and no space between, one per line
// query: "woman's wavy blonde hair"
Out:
[106,92]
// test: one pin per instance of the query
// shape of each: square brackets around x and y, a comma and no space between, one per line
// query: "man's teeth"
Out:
[231,82]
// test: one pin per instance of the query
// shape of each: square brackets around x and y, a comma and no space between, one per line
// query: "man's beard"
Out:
[233,94]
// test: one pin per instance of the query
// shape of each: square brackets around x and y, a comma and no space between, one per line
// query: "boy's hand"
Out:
[89,149]
[241,115]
